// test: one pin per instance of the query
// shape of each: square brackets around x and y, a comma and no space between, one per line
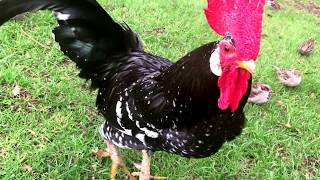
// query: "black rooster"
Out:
[189,108]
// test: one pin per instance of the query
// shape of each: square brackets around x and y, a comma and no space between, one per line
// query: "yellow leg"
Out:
[113,172]
[116,162]
[144,173]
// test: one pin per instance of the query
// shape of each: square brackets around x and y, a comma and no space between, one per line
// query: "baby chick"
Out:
[307,47]
[288,77]
[273,5]
[260,93]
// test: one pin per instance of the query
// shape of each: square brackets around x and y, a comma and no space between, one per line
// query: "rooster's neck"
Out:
[190,78]
[190,81]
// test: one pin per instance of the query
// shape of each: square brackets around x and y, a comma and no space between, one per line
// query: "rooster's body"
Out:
[150,103]
[156,105]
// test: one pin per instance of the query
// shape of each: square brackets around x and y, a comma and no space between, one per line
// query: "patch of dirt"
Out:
[311,164]
[3,153]
[92,112]
[23,100]
[31,101]
[67,62]
[156,31]
[85,87]
[21,17]
[282,152]
[24,94]
[46,76]
[295,132]
[247,164]
[310,7]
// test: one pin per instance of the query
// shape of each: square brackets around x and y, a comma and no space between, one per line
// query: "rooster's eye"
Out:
[226,49]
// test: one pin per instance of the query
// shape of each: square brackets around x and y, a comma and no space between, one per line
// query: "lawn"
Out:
[49,132]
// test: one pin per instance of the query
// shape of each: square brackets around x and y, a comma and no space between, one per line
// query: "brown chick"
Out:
[273,5]
[288,77]
[260,93]
[307,47]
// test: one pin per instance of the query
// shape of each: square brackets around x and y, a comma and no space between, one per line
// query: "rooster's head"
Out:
[240,22]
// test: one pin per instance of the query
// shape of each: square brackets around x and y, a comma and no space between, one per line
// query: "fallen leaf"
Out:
[281,103]
[100,153]
[44,139]
[287,125]
[94,167]
[27,167]
[312,94]
[16,91]
[32,132]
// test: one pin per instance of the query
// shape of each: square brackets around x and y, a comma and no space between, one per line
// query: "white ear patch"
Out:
[215,63]
[61,16]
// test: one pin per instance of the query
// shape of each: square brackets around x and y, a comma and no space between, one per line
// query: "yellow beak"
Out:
[250,66]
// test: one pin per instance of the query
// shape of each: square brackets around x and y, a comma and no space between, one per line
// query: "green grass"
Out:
[54,128]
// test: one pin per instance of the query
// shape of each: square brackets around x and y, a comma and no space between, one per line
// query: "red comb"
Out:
[243,19]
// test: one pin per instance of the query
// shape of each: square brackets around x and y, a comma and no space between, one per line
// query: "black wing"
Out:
[86,33]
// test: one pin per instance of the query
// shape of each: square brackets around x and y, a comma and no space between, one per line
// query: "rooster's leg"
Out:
[144,173]
[116,162]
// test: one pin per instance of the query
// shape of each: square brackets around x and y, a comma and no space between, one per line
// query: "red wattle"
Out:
[233,85]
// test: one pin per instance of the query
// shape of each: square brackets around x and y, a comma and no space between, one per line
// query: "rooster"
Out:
[189,108]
